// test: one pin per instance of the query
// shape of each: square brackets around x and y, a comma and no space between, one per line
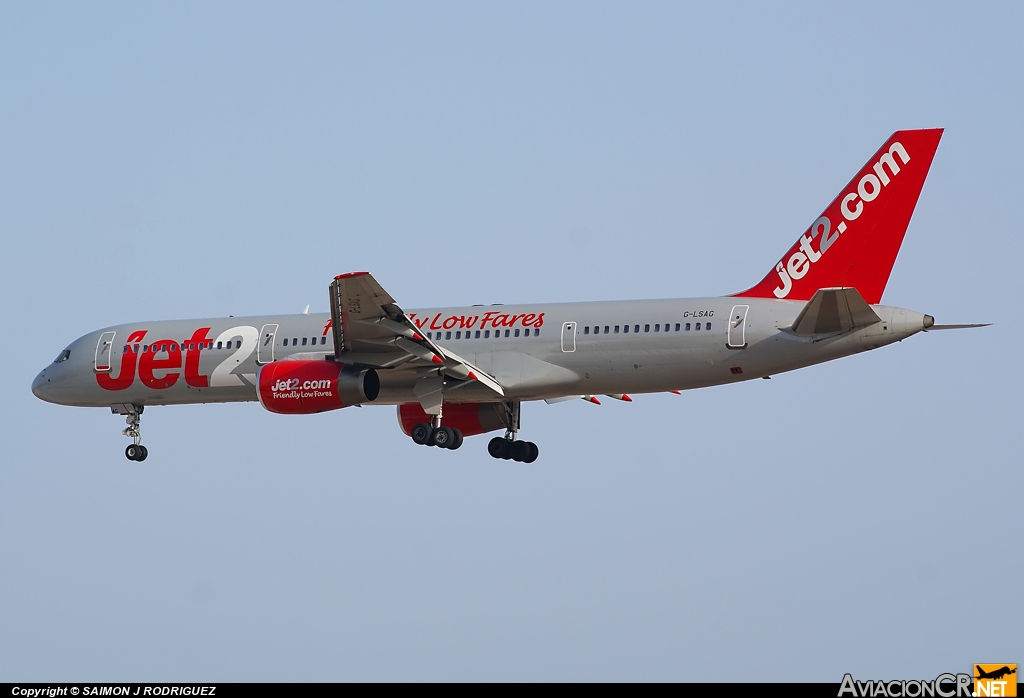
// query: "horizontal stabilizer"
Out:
[956,327]
[833,311]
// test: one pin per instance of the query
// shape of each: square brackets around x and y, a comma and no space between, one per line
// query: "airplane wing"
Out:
[833,310]
[370,329]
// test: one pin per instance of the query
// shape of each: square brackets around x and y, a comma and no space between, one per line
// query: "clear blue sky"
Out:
[168,161]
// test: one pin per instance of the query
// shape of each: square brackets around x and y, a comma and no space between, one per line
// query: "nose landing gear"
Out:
[133,416]
[136,452]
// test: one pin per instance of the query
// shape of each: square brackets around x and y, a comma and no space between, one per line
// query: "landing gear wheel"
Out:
[521,451]
[457,441]
[443,437]
[421,434]
[498,447]
[534,452]
[133,452]
[144,455]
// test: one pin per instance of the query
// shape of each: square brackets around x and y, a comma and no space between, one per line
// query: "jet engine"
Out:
[468,418]
[307,387]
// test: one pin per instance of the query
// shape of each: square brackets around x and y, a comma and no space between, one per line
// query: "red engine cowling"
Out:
[307,387]
[469,418]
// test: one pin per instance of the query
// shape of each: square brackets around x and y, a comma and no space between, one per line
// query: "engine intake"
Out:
[308,387]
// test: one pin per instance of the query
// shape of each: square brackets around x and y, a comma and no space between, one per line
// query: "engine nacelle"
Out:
[307,387]
[469,418]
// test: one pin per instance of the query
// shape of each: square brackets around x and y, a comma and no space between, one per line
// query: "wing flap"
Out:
[369,326]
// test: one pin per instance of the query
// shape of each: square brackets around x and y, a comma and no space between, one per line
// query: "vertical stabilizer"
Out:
[855,241]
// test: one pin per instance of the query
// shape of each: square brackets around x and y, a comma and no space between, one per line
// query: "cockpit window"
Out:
[64,356]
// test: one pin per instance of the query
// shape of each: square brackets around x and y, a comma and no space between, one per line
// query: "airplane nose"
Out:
[39,385]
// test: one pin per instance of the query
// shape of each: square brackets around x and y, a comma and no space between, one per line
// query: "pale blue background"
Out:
[167,160]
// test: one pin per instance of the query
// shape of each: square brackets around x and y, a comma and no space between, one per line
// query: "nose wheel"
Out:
[133,416]
[136,452]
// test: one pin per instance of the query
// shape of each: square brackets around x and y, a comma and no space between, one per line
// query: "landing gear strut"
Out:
[133,416]
[434,434]
[507,447]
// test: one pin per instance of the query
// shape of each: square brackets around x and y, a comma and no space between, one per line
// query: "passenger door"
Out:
[568,337]
[104,349]
[265,349]
[738,327]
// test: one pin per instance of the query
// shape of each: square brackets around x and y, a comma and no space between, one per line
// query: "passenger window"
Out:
[586,330]
[606,329]
[647,328]
[145,348]
[218,345]
[506,333]
[517,333]
[677,327]
[625,329]
[487,334]
[656,327]
[687,327]
[696,327]
[125,351]
[285,341]
[303,341]
[636,328]
[135,349]
[708,326]
[458,335]
[447,335]
[323,340]
[478,334]
[616,329]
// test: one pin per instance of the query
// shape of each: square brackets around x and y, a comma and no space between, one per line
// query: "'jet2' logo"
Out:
[851,207]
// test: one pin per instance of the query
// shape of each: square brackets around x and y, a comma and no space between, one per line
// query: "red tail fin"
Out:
[856,240]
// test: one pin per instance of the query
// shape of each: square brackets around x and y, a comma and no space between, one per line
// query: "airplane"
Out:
[996,674]
[458,372]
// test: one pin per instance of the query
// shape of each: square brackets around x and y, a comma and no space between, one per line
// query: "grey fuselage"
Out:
[536,352]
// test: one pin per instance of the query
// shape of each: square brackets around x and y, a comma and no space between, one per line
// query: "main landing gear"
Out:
[133,415]
[507,447]
[503,447]
[442,437]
